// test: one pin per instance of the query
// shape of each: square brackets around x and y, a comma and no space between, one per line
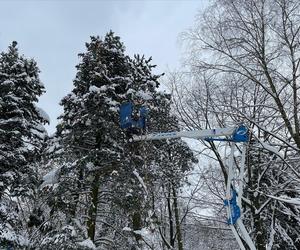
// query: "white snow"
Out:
[152,83]
[111,102]
[7,82]
[103,88]
[39,131]
[53,147]
[127,229]
[147,235]
[93,88]
[13,97]
[114,50]
[21,74]
[114,172]
[140,180]
[269,147]
[42,113]
[51,178]
[90,166]
[7,233]
[87,243]
[295,201]
[88,122]
[144,95]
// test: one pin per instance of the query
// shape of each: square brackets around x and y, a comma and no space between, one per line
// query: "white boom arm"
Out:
[196,134]
[215,134]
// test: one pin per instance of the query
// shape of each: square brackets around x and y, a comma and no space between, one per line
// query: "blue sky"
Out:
[54,32]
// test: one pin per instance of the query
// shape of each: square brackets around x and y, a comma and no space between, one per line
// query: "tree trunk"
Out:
[75,198]
[91,223]
[177,219]
[171,226]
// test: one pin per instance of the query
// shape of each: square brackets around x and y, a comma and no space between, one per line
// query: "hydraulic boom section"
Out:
[135,124]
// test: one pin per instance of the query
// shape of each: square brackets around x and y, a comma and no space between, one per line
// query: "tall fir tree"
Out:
[89,133]
[21,136]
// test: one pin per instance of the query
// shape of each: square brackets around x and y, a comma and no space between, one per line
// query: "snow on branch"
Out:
[294,201]
[140,180]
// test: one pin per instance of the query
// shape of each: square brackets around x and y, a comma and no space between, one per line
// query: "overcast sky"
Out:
[54,32]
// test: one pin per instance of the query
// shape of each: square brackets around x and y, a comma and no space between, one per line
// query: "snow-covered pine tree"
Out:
[91,137]
[86,149]
[102,184]
[21,141]
[132,198]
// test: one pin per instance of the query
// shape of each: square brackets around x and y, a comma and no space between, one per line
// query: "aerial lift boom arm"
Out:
[238,134]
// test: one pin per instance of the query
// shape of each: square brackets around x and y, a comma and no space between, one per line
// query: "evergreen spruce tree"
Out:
[89,132]
[21,136]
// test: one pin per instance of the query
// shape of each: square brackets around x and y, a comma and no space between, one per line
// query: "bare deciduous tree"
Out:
[243,66]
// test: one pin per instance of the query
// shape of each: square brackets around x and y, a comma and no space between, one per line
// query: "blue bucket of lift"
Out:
[126,120]
[141,123]
[125,115]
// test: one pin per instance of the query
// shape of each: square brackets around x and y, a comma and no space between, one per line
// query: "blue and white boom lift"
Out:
[238,134]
